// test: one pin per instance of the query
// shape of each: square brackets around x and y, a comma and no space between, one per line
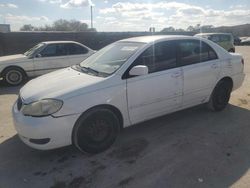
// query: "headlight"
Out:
[43,107]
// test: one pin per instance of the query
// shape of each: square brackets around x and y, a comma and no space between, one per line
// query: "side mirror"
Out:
[138,70]
[38,55]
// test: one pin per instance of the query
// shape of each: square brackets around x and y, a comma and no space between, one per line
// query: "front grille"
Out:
[19,103]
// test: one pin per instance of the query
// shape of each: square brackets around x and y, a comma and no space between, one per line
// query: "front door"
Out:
[158,92]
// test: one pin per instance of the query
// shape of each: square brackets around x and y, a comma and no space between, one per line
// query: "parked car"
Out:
[225,40]
[42,58]
[127,82]
[245,41]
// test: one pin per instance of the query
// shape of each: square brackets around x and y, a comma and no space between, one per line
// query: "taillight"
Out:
[242,61]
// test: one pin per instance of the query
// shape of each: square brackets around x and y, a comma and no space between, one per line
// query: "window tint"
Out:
[159,57]
[54,50]
[191,51]
[74,49]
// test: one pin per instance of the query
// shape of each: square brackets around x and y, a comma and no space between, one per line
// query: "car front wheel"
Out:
[13,76]
[96,131]
[220,96]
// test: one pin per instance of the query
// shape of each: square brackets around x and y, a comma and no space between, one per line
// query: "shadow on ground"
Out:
[191,148]
[5,89]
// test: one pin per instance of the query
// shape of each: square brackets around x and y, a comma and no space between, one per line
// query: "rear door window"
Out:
[194,51]
[75,49]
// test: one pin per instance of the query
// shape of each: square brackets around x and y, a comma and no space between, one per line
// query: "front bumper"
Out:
[48,132]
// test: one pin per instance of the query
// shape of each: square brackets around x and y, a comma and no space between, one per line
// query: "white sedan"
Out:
[125,83]
[42,58]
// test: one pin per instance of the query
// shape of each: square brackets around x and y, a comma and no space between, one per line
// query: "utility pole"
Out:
[91,12]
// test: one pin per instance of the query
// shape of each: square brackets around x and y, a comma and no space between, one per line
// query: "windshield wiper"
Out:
[90,70]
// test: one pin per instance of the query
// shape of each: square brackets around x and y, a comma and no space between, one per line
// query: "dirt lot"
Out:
[191,148]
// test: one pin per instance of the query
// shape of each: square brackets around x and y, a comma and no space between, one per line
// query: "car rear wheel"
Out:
[220,96]
[13,76]
[96,131]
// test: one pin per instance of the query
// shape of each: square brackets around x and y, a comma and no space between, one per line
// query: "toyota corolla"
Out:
[127,82]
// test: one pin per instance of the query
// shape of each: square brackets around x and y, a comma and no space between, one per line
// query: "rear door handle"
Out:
[214,66]
[176,74]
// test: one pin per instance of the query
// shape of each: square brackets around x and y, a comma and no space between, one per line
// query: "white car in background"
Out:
[125,83]
[41,59]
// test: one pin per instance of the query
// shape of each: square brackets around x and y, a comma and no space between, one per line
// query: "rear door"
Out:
[52,57]
[158,92]
[77,53]
[200,66]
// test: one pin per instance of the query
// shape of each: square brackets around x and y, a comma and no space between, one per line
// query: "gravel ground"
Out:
[190,148]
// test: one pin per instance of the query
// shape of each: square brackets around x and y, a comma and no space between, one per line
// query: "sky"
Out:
[126,15]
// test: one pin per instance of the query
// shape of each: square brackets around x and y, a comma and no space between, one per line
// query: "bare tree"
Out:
[27,27]
[60,25]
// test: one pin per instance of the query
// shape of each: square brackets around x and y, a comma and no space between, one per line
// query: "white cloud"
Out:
[141,16]
[21,18]
[87,22]
[77,4]
[8,5]
[52,1]
[238,6]
[17,21]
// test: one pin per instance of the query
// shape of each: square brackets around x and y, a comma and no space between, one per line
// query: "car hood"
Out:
[12,58]
[58,84]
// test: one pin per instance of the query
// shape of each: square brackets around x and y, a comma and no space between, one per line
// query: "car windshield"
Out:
[33,50]
[109,59]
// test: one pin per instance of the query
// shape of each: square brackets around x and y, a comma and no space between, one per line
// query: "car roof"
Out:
[57,42]
[154,38]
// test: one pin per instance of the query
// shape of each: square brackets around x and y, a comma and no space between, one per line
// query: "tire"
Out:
[95,131]
[14,76]
[220,96]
